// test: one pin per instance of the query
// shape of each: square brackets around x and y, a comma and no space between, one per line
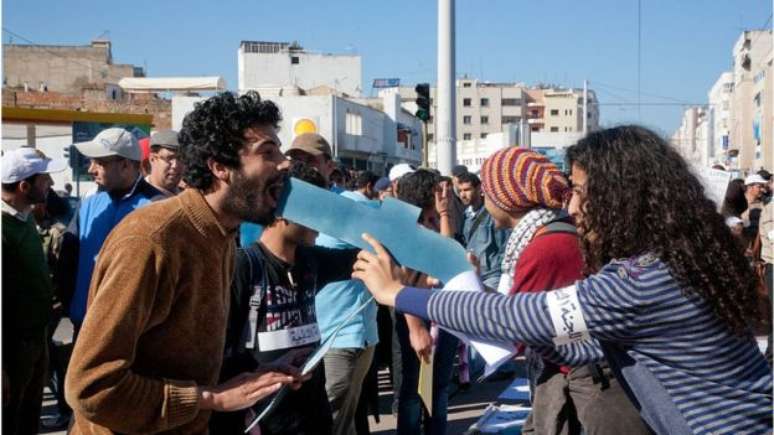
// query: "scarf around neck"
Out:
[520,237]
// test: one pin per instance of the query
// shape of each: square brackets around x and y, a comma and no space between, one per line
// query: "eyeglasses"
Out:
[169,158]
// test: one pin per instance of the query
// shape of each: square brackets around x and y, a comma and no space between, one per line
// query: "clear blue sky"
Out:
[685,44]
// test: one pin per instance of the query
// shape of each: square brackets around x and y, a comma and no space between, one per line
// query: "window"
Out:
[568,112]
[554,129]
[485,120]
[511,102]
[534,113]
[466,85]
[294,60]
[354,124]
[554,112]
[485,102]
[466,102]
[466,136]
[466,120]
[483,135]
[511,119]
[430,137]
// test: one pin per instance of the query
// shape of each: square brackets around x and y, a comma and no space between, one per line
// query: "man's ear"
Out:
[219,170]
[25,186]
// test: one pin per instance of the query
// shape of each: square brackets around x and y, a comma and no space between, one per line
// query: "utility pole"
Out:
[446,117]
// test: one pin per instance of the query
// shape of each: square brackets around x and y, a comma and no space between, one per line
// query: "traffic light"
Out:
[423,101]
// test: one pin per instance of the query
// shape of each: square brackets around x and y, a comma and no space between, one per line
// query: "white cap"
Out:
[25,162]
[733,221]
[754,179]
[400,170]
[112,142]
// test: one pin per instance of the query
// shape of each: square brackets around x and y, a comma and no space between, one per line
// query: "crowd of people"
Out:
[633,301]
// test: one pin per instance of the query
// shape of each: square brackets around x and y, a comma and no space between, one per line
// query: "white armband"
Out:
[566,315]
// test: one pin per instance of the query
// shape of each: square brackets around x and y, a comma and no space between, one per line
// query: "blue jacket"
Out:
[485,242]
[336,300]
[96,216]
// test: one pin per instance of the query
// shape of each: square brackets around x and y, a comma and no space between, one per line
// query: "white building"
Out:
[364,134]
[693,139]
[279,64]
[719,122]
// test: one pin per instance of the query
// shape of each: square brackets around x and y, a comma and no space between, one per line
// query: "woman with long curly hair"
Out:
[670,299]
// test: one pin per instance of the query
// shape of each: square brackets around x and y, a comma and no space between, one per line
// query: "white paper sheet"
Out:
[494,353]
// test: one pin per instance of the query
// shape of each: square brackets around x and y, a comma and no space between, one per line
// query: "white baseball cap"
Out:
[754,179]
[25,162]
[112,142]
[400,170]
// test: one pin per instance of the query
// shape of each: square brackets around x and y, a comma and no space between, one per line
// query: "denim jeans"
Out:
[409,402]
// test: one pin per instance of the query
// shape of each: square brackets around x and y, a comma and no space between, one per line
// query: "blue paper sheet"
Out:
[394,224]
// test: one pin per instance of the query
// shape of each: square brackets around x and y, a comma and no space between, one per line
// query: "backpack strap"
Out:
[560,226]
[247,319]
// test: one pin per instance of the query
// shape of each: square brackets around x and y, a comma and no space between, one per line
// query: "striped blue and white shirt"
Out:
[684,370]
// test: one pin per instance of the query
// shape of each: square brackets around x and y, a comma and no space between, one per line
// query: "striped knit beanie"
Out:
[520,179]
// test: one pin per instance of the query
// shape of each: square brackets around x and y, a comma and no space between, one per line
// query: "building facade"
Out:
[512,111]
[720,121]
[279,64]
[735,128]
[692,139]
[63,68]
[371,134]
[751,101]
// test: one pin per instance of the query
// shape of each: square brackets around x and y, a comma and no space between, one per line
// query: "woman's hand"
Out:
[379,273]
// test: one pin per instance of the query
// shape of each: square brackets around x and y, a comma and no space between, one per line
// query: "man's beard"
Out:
[34,197]
[251,201]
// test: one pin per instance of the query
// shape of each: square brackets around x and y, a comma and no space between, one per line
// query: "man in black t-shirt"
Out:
[272,313]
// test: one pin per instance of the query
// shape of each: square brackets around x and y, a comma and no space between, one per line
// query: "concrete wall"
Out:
[64,69]
[341,72]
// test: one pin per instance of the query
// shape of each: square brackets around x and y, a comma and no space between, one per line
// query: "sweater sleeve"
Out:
[124,302]
[608,304]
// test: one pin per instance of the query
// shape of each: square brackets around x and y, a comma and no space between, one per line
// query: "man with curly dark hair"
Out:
[151,346]
[670,297]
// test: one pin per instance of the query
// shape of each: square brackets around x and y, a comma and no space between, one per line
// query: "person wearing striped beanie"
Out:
[525,191]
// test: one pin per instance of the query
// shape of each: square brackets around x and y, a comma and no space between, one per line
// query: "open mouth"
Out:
[275,191]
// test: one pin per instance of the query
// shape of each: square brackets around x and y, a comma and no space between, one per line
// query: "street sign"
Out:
[386,83]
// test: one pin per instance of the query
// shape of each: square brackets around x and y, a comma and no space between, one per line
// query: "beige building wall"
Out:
[763,92]
[751,56]
[65,69]
[562,112]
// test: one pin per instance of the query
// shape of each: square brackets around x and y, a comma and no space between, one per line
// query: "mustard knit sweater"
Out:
[156,321]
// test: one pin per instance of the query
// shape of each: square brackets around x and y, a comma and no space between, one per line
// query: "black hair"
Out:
[418,188]
[469,177]
[641,197]
[365,178]
[458,170]
[215,130]
[304,172]
[735,203]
